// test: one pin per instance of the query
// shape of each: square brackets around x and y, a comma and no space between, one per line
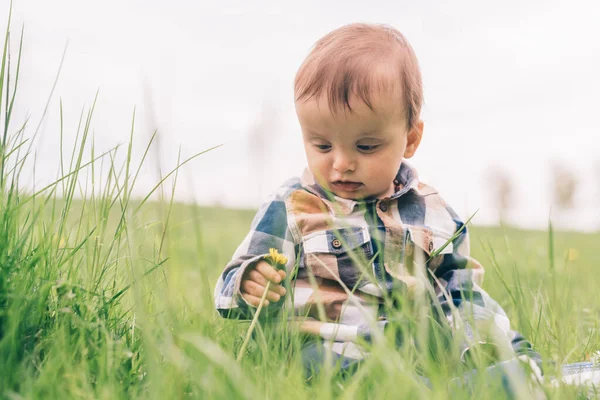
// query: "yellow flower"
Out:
[573,254]
[276,258]
[61,241]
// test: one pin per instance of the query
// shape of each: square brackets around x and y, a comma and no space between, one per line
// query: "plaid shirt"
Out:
[346,255]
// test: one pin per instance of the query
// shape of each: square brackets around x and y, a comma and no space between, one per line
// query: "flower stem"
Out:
[253,323]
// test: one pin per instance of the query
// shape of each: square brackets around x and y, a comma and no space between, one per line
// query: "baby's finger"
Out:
[253,288]
[255,301]
[278,289]
[261,280]
[257,277]
[257,290]
[268,272]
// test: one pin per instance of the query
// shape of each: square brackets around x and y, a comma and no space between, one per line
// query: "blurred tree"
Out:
[500,185]
[564,186]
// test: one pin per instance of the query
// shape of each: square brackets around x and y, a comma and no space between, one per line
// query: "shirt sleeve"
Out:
[269,229]
[469,310]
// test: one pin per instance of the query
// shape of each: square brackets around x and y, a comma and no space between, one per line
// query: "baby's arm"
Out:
[483,322]
[241,284]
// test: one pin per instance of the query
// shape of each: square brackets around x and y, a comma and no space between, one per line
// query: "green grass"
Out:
[107,296]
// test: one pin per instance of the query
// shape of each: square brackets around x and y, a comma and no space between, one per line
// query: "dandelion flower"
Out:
[573,254]
[277,259]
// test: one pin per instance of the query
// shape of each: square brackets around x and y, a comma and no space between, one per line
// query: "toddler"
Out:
[358,227]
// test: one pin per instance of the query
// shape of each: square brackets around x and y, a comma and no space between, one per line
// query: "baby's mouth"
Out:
[347,186]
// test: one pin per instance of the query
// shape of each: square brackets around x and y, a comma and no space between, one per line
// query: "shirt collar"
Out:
[406,177]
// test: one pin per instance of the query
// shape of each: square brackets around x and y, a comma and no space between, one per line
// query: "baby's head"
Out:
[358,98]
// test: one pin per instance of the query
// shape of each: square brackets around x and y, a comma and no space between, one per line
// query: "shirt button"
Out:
[383,206]
[336,243]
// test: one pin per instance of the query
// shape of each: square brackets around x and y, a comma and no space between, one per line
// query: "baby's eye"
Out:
[323,147]
[367,148]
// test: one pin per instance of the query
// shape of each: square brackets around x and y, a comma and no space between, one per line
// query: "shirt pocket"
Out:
[339,254]
[428,240]
[411,248]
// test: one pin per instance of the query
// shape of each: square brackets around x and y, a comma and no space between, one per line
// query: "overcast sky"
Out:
[511,84]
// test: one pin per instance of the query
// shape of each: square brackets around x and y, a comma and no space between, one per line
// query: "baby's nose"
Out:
[343,163]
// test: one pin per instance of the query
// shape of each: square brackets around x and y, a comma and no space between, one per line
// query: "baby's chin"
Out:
[361,195]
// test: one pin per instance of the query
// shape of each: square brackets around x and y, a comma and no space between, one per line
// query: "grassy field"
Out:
[127,311]
[107,296]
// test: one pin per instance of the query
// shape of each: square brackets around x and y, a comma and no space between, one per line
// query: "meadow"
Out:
[106,295]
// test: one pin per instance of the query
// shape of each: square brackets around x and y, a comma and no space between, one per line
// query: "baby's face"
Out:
[357,154]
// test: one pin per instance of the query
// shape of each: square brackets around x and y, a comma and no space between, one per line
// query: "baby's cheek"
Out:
[318,162]
[320,175]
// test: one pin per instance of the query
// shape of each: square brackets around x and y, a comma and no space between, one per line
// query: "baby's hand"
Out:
[255,280]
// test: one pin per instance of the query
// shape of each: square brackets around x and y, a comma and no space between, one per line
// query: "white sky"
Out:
[513,84]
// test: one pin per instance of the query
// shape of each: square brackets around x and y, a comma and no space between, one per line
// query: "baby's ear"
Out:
[413,139]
